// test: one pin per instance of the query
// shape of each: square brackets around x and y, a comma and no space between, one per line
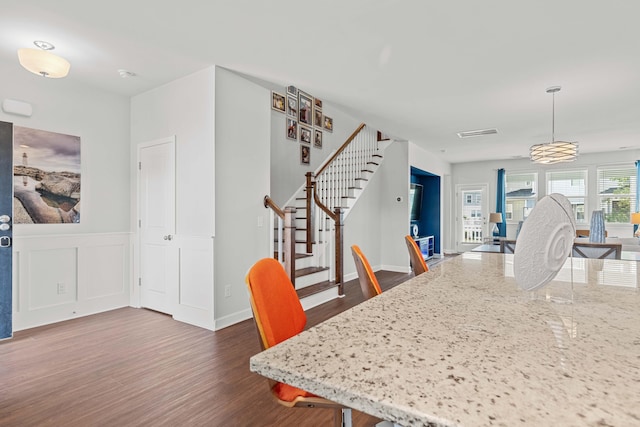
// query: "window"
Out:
[521,194]
[572,185]
[617,193]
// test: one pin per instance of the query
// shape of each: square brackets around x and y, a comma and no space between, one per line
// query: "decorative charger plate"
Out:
[544,243]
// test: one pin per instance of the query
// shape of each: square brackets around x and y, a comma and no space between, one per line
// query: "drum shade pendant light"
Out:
[42,62]
[554,151]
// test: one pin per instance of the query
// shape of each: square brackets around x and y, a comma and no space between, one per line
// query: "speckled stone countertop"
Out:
[463,345]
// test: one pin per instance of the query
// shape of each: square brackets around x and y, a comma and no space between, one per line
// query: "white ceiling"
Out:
[417,69]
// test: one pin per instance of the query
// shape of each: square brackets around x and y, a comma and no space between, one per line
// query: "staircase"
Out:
[308,233]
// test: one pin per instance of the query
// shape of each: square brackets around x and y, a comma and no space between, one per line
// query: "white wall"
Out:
[287,173]
[243,129]
[91,259]
[486,172]
[395,175]
[184,108]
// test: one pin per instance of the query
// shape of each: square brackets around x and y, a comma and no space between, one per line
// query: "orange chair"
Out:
[418,265]
[368,281]
[278,316]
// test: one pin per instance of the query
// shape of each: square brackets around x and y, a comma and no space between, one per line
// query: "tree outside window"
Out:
[616,193]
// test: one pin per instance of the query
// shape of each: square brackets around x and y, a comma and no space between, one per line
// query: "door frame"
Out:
[136,295]
[484,188]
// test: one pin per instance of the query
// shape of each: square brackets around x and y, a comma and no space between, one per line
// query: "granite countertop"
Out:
[463,345]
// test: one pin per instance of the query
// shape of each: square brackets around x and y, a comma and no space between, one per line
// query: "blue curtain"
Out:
[501,203]
[635,226]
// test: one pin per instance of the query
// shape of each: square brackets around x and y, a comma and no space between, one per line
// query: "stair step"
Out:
[309,270]
[317,288]
[298,255]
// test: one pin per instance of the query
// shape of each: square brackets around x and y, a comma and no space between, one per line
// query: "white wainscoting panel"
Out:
[54,278]
[195,287]
[60,277]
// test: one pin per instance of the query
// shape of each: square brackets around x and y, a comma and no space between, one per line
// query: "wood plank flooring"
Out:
[135,367]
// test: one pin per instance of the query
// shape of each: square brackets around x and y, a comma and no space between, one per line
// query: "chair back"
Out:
[277,311]
[368,281]
[418,265]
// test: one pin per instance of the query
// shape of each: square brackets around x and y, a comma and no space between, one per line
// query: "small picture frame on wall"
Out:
[292,90]
[305,135]
[277,101]
[292,129]
[305,154]
[305,108]
[292,106]
[328,123]
[317,117]
[317,138]
[317,103]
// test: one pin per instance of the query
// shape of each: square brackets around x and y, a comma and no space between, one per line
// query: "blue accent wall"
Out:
[429,223]
[6,208]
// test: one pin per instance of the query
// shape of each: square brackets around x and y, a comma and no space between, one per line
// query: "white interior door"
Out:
[158,250]
[471,216]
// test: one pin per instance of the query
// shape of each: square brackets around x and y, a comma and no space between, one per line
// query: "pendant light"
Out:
[554,151]
[42,62]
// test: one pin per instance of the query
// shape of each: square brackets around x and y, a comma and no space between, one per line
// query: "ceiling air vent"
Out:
[470,133]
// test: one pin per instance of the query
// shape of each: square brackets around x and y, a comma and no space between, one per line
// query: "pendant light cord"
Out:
[553,117]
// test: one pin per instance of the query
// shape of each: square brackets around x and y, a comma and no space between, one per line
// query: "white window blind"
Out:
[617,193]
[521,193]
[573,185]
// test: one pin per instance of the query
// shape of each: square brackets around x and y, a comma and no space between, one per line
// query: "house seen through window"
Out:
[521,195]
[573,185]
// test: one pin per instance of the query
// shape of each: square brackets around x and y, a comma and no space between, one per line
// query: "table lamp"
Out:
[496,218]
[635,219]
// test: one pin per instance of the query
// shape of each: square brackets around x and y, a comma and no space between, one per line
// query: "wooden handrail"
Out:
[321,205]
[269,203]
[341,149]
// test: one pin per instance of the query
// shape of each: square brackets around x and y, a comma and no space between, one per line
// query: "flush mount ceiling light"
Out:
[480,132]
[42,62]
[554,151]
[125,74]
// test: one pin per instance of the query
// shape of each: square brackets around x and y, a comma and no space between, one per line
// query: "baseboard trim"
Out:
[232,319]
[396,268]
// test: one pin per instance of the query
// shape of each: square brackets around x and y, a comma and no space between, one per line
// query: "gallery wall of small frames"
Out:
[304,120]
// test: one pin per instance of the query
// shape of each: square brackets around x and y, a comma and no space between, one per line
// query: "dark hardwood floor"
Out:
[135,367]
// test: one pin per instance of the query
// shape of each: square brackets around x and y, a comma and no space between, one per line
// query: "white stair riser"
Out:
[311,279]
[305,262]
[319,298]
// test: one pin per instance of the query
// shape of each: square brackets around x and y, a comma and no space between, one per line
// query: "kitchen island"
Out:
[463,345]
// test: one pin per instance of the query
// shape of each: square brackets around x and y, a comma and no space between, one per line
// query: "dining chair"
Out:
[418,264]
[368,281]
[278,315]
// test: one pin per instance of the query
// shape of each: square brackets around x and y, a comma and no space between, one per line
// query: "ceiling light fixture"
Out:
[42,62]
[126,73]
[554,151]
[480,132]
